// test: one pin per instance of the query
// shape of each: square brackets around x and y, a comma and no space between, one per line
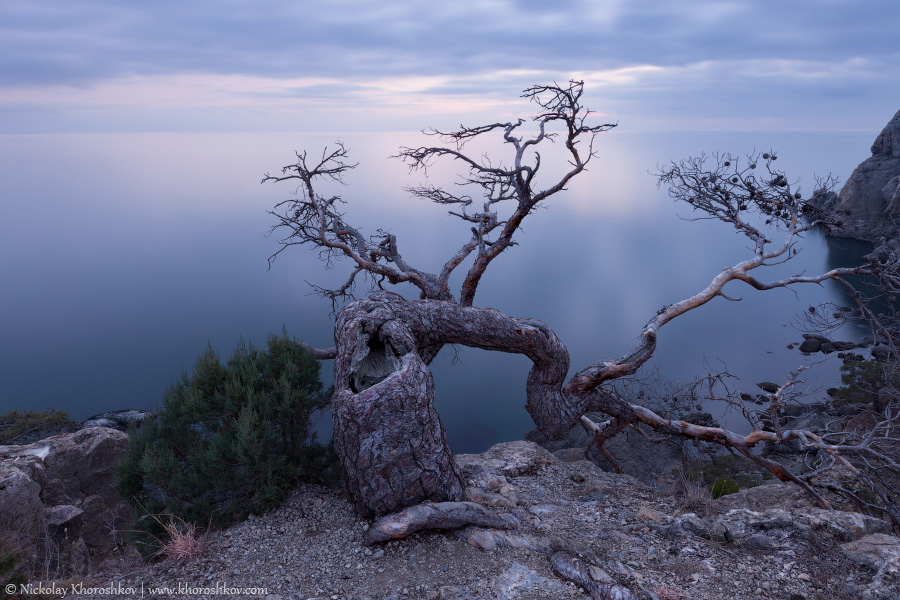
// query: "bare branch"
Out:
[733,194]
[311,219]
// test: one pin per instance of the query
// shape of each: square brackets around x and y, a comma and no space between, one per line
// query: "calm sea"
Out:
[123,255]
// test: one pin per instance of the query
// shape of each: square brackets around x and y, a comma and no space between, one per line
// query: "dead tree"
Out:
[389,438]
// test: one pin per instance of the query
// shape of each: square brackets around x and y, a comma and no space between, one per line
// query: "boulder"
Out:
[509,459]
[118,419]
[872,550]
[764,497]
[742,526]
[869,203]
[62,490]
[768,386]
[881,553]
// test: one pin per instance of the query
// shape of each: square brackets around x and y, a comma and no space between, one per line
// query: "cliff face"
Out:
[869,203]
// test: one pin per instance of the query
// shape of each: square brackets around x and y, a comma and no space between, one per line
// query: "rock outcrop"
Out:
[58,501]
[869,203]
[881,553]
[118,419]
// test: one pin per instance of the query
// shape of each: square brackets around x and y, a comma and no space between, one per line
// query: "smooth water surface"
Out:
[123,255]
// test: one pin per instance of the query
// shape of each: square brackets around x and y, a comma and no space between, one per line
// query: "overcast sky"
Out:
[358,65]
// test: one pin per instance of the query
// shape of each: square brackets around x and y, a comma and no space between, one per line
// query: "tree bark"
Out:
[387,434]
[389,438]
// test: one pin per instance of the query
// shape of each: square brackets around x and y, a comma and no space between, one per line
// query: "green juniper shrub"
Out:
[228,441]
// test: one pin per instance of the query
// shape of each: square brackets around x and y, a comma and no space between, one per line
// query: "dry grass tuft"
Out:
[185,541]
[182,542]
[695,496]
[648,514]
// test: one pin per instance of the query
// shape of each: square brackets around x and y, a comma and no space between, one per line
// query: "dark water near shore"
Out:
[122,255]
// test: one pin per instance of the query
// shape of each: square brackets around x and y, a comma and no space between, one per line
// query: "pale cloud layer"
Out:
[224,65]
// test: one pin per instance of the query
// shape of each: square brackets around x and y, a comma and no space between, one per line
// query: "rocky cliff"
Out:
[869,203]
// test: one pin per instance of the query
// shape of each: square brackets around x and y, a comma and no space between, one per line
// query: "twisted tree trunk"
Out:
[389,438]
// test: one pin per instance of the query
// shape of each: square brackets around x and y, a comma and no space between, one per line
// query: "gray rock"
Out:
[63,487]
[768,386]
[815,336]
[881,353]
[758,541]
[569,454]
[869,203]
[703,419]
[519,581]
[118,419]
[509,459]
[839,525]
[741,524]
[21,510]
[64,521]
[881,553]
[842,346]
[811,346]
[543,510]
[765,497]
[871,550]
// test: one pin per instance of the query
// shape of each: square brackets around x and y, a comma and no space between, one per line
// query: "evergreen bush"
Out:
[228,441]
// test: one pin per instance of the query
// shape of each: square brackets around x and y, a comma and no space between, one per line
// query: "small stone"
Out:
[378,554]
[758,542]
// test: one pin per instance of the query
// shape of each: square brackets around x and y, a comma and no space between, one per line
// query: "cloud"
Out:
[646,58]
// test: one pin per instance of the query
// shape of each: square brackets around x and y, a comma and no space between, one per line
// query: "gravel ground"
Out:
[312,547]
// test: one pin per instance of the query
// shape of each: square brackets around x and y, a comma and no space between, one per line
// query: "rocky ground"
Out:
[767,542]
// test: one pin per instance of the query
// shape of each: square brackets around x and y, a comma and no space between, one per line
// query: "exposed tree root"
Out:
[577,571]
[438,515]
